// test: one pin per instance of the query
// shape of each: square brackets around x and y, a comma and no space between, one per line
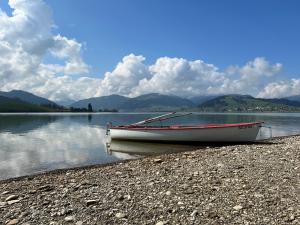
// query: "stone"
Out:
[91,202]
[11,197]
[2,204]
[5,193]
[120,215]
[24,214]
[168,193]
[63,212]
[127,196]
[158,160]
[46,188]
[79,223]
[189,192]
[12,222]
[161,223]
[238,207]
[120,197]
[194,213]
[13,202]
[69,218]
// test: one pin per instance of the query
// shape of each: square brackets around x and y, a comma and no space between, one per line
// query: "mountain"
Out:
[66,102]
[293,98]
[104,102]
[28,97]
[236,103]
[156,102]
[201,99]
[282,101]
[148,102]
[16,105]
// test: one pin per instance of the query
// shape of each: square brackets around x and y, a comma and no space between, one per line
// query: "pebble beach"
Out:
[236,184]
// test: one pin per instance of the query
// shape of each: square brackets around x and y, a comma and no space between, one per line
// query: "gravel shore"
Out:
[237,184]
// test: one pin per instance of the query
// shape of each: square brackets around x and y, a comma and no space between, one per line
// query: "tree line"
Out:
[90,109]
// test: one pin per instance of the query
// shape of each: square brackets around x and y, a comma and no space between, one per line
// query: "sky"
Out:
[66,49]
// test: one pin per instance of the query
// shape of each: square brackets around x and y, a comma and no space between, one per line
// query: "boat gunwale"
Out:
[180,127]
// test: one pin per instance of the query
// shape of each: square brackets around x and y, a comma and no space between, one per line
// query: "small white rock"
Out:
[13,222]
[11,197]
[160,223]
[158,160]
[53,223]
[79,223]
[69,218]
[238,207]
[2,204]
[120,215]
[12,202]
[194,213]
[168,193]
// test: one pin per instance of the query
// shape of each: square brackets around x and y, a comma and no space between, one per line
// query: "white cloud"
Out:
[124,77]
[258,67]
[179,77]
[281,89]
[185,78]
[70,50]
[27,37]
[250,78]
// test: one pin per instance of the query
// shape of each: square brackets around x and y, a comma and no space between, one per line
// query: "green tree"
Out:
[90,108]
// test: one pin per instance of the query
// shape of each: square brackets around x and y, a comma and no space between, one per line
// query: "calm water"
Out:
[32,143]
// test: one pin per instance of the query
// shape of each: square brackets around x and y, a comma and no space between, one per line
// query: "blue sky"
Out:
[257,40]
[219,32]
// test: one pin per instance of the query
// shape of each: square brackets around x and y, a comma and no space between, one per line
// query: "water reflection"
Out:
[132,149]
[24,123]
[57,145]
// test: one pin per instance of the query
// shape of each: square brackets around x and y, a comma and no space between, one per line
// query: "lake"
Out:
[34,143]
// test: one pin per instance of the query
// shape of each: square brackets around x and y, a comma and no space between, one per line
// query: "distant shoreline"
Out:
[149,112]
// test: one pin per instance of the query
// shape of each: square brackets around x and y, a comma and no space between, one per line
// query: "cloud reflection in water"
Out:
[57,145]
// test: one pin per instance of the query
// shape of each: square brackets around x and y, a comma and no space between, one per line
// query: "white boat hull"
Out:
[239,133]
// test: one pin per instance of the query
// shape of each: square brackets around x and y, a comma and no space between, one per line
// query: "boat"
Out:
[141,131]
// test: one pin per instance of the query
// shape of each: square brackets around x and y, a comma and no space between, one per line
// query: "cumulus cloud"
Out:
[70,50]
[281,89]
[125,76]
[28,36]
[250,78]
[179,77]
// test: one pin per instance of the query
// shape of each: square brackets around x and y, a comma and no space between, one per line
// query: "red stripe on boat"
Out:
[178,127]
